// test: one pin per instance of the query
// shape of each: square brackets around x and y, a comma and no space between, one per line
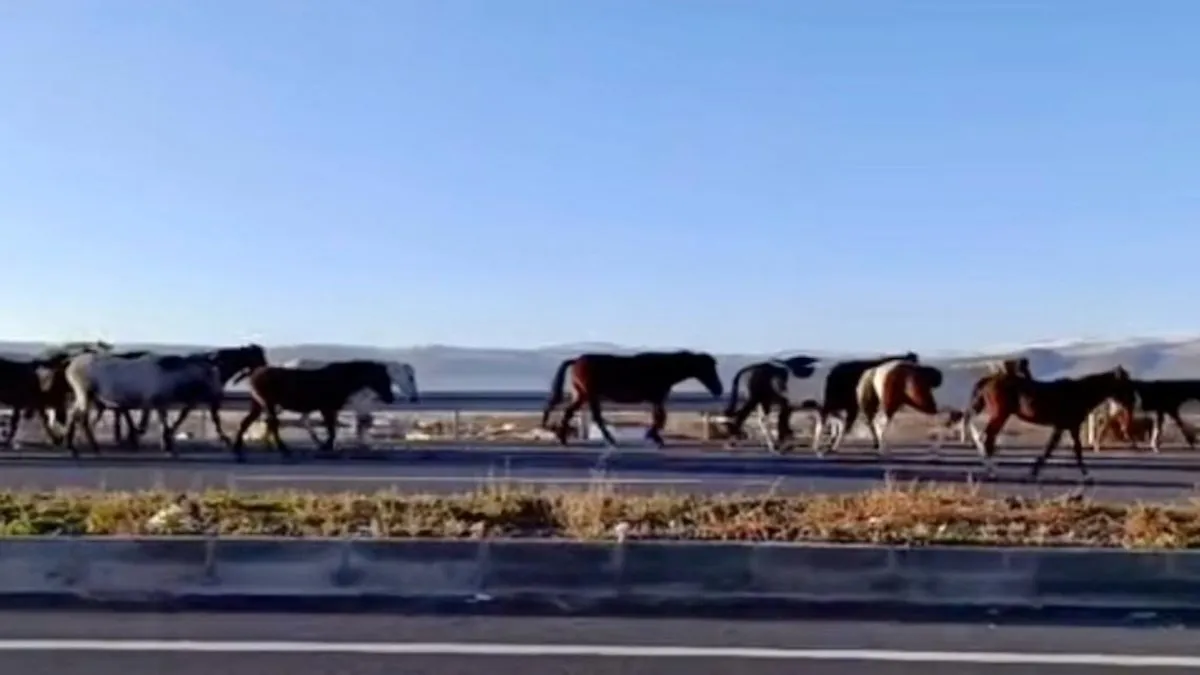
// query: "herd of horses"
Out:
[839,393]
[80,384]
[70,388]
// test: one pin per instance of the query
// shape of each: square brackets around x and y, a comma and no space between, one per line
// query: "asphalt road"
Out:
[245,644]
[1172,475]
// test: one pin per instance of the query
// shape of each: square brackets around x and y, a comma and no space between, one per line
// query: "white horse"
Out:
[147,382]
[364,403]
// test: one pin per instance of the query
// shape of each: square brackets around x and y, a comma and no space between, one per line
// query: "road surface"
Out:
[1119,476]
[251,644]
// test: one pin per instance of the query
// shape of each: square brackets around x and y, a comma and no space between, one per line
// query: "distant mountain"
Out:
[443,367]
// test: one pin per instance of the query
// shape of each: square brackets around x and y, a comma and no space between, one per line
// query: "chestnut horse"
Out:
[1062,404]
[889,387]
[646,377]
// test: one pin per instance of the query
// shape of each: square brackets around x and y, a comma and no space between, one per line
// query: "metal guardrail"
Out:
[507,401]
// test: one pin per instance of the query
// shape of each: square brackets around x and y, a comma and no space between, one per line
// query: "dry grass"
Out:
[914,515]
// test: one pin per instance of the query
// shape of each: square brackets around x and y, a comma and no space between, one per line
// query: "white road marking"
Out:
[565,480]
[623,651]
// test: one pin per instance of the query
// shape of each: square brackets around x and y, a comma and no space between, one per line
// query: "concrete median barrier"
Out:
[577,577]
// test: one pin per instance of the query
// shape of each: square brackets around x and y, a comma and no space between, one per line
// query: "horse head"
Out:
[703,366]
[375,376]
[1121,388]
[405,377]
[240,361]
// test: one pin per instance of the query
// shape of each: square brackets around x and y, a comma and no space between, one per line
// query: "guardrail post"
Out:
[706,434]
[454,425]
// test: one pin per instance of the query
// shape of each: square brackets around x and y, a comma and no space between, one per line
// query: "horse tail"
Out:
[733,390]
[556,390]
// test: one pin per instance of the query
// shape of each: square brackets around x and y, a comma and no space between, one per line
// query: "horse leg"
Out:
[306,422]
[214,413]
[167,431]
[330,419]
[844,427]
[819,432]
[564,422]
[88,431]
[1184,428]
[761,417]
[783,424]
[14,423]
[658,419]
[1156,432]
[1098,434]
[272,413]
[598,418]
[1077,444]
[51,434]
[238,445]
[987,445]
[133,437]
[1055,437]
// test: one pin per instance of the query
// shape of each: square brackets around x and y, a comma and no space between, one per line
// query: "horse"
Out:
[890,386]
[229,361]
[303,390]
[363,402]
[839,394]
[1062,404]
[147,381]
[23,388]
[1122,426]
[1161,398]
[646,377]
[766,388]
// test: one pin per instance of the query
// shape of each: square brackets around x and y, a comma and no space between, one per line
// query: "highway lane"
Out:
[1119,476]
[100,643]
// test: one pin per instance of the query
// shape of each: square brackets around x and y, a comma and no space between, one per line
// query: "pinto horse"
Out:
[766,389]
[840,395]
[1062,404]
[404,379]
[891,386]
[324,390]
[647,377]
[143,382]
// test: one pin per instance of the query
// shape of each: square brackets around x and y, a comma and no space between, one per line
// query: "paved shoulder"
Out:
[192,644]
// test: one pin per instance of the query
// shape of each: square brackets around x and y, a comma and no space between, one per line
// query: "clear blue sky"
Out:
[732,175]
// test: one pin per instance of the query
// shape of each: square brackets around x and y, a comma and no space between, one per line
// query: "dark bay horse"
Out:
[1163,398]
[1063,405]
[647,377]
[323,390]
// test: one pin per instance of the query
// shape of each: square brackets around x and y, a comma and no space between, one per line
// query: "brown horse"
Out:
[639,378]
[1062,404]
[304,390]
